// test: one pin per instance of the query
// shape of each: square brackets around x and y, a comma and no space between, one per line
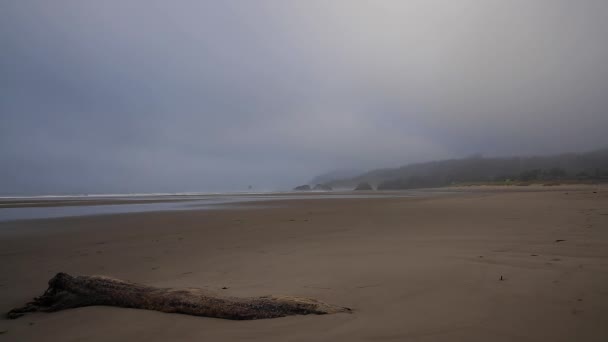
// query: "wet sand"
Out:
[413,269]
[79,201]
[29,203]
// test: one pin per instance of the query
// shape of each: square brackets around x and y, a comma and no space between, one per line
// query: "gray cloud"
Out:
[145,96]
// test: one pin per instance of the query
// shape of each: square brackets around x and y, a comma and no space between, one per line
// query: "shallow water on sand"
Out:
[89,205]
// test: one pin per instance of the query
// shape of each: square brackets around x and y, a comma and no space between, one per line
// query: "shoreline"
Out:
[58,208]
[84,200]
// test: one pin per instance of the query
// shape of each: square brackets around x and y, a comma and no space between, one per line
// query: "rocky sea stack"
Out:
[322,187]
[364,186]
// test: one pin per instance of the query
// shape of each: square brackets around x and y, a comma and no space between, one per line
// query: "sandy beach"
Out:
[412,269]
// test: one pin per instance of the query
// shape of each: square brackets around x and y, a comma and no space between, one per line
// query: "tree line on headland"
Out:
[590,167]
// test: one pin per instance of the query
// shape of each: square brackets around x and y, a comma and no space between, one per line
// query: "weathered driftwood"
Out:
[66,292]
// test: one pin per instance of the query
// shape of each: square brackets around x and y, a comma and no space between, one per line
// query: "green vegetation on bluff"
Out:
[566,168]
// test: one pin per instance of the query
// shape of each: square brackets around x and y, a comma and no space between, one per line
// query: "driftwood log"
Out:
[66,292]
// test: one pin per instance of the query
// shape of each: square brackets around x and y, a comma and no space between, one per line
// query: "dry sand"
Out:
[421,269]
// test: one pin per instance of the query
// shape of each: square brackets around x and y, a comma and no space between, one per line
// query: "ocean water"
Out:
[86,205]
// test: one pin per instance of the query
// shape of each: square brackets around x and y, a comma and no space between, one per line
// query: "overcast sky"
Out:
[161,96]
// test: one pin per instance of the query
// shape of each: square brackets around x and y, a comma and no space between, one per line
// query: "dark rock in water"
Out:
[302,188]
[364,186]
[323,187]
